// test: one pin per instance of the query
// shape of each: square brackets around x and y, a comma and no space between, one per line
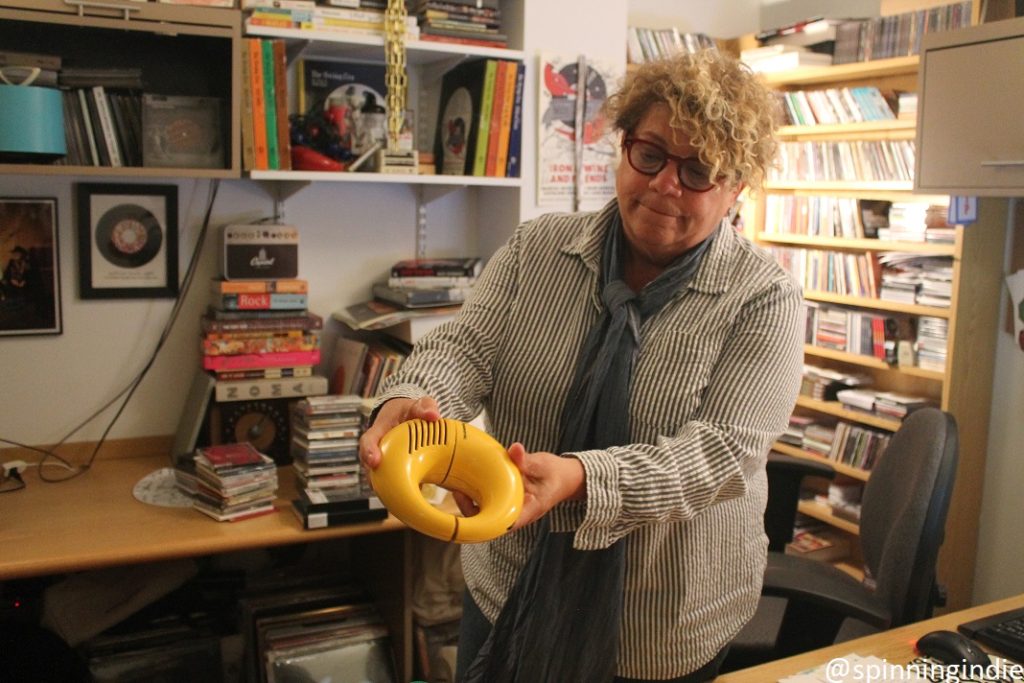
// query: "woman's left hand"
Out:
[548,479]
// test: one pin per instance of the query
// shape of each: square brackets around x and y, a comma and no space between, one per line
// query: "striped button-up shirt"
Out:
[714,380]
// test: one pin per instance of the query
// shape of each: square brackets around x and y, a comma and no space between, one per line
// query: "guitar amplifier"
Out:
[260,252]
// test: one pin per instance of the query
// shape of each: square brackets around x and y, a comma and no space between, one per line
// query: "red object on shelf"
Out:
[306,159]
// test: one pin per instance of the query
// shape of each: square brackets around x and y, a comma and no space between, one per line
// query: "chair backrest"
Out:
[903,512]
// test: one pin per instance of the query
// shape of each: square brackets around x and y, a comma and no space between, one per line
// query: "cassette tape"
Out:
[260,252]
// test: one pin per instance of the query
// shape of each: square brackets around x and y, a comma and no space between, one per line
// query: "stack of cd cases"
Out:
[325,455]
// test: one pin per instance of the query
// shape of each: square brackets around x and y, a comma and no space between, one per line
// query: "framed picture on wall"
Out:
[127,241]
[30,280]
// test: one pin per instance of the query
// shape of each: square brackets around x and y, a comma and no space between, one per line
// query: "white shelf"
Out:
[387,178]
[354,46]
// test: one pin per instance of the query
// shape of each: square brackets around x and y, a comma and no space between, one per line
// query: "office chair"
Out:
[808,604]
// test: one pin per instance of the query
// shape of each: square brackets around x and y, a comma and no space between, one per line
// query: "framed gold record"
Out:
[127,240]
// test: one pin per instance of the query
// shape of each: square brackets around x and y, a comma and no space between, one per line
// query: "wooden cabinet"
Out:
[963,386]
[970,136]
[180,50]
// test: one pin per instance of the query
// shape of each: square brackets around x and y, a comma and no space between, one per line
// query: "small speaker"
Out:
[260,252]
[31,124]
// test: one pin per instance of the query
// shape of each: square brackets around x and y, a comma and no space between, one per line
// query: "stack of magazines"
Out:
[234,481]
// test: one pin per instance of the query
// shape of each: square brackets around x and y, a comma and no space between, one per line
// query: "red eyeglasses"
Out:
[649,158]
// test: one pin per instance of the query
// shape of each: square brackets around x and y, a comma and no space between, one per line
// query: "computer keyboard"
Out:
[1003,632]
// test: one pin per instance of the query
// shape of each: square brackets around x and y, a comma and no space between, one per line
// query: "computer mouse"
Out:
[952,648]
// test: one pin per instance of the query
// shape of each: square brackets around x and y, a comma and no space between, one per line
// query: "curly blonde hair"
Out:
[728,113]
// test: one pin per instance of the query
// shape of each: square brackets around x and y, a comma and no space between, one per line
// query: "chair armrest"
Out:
[798,467]
[785,475]
[822,585]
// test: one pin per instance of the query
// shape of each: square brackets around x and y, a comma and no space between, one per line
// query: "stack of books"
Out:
[818,542]
[333,489]
[469,22]
[419,283]
[780,57]
[932,343]
[823,384]
[234,481]
[352,18]
[257,333]
[794,434]
[818,438]
[882,403]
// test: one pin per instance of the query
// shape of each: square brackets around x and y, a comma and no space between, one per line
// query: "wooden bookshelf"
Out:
[182,50]
[823,513]
[964,387]
[848,244]
[841,468]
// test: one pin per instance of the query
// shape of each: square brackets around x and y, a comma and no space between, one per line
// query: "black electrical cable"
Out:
[128,391]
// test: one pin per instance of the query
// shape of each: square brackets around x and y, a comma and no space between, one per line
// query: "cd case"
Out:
[182,131]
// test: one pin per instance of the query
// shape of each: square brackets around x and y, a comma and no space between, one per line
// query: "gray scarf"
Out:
[561,620]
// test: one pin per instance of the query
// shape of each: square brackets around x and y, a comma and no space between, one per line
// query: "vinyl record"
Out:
[129,236]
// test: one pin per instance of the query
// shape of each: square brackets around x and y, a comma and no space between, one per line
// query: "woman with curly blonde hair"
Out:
[639,361]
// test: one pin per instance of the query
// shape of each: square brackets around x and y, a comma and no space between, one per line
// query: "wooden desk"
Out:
[895,646]
[94,521]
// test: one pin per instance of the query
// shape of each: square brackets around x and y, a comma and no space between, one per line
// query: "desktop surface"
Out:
[95,521]
[895,646]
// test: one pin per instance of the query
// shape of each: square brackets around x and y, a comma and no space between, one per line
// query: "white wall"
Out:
[349,236]
[781,12]
[716,19]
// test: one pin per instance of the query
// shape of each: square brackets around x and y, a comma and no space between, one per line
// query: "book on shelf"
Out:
[251,389]
[267,373]
[351,96]
[280,4]
[38,60]
[461,267]
[785,61]
[270,99]
[858,446]
[819,544]
[486,113]
[266,342]
[261,360]
[268,301]
[816,32]
[216,320]
[458,123]
[515,133]
[421,297]
[502,105]
[862,400]
[280,100]
[126,78]
[258,115]
[247,129]
[284,285]
[375,314]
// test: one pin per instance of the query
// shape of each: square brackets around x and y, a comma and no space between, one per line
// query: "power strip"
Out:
[15,466]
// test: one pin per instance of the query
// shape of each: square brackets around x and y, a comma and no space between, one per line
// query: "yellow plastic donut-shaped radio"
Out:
[456,456]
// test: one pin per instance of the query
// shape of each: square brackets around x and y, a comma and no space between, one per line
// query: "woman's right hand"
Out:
[391,414]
